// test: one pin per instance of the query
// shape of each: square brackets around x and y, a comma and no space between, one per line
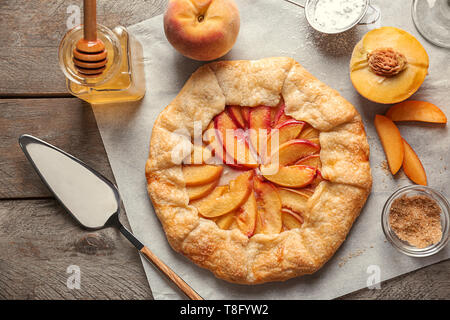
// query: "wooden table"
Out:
[38,240]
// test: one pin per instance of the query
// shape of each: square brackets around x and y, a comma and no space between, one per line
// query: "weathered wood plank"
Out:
[429,283]
[30,32]
[39,241]
[67,123]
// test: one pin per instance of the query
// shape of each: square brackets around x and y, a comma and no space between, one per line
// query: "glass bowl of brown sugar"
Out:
[415,220]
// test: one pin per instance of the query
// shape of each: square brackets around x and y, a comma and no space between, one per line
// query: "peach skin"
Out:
[202,29]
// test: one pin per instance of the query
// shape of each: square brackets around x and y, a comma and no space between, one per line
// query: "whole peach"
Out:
[202,29]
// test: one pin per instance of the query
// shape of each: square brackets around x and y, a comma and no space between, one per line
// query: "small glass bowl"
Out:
[404,246]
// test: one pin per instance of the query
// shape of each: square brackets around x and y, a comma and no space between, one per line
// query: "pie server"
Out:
[88,196]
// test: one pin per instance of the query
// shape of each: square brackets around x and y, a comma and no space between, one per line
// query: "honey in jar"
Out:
[123,78]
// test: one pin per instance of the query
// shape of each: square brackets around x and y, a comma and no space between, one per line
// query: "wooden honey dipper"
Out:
[90,55]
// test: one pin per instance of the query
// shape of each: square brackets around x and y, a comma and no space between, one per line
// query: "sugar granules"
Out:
[416,220]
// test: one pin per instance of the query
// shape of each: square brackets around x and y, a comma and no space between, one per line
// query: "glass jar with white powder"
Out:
[335,16]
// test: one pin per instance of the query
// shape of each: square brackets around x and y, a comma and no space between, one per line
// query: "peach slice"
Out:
[276,112]
[268,219]
[241,152]
[295,200]
[412,166]
[273,115]
[391,141]
[293,150]
[246,114]
[317,179]
[259,120]
[280,116]
[283,118]
[226,221]
[222,124]
[237,194]
[416,111]
[200,155]
[308,191]
[235,114]
[212,196]
[296,176]
[246,216]
[291,220]
[287,130]
[197,192]
[214,145]
[315,140]
[209,135]
[237,152]
[312,161]
[195,175]
[309,133]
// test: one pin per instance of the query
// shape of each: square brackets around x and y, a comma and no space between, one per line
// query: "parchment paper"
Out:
[276,28]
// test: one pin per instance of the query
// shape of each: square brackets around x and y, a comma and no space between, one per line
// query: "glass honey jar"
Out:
[123,78]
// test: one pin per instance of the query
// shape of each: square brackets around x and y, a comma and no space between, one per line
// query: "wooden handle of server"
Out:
[90,20]
[170,274]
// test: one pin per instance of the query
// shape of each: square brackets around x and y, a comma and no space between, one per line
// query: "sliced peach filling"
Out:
[274,164]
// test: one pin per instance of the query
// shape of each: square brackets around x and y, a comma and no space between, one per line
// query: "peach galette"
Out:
[257,170]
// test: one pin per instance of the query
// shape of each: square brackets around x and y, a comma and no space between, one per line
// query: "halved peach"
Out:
[268,219]
[287,130]
[246,216]
[296,176]
[260,127]
[291,220]
[412,166]
[225,221]
[293,150]
[238,192]
[295,200]
[391,141]
[235,114]
[197,192]
[312,161]
[195,175]
[309,133]
[416,111]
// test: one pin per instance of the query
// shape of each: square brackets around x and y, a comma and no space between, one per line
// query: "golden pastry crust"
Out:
[331,210]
